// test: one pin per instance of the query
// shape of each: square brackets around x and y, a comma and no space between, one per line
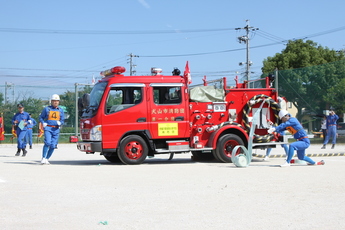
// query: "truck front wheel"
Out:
[112,158]
[225,146]
[133,150]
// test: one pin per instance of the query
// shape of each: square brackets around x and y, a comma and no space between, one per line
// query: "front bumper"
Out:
[89,147]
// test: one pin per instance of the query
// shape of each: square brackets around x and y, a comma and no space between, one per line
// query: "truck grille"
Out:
[84,131]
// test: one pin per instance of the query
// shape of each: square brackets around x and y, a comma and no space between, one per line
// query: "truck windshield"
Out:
[96,94]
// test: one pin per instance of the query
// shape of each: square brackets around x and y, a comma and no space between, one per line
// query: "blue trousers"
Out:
[51,138]
[300,147]
[21,135]
[28,139]
[331,133]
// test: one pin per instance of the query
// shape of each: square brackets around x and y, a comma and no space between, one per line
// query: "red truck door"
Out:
[125,111]
[168,111]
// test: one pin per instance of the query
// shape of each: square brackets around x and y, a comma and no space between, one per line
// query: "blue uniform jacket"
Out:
[294,127]
[52,115]
[18,117]
[33,124]
[331,120]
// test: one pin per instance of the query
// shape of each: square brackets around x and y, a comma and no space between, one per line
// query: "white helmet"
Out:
[282,113]
[55,97]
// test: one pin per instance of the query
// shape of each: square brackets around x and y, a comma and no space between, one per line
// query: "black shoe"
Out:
[24,152]
[323,147]
[30,146]
[18,153]
[332,146]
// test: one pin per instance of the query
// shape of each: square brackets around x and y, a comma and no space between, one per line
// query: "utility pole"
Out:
[246,39]
[131,65]
[9,85]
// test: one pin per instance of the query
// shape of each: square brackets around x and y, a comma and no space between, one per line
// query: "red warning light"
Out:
[115,70]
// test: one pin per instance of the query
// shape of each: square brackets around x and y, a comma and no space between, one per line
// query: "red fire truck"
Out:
[128,118]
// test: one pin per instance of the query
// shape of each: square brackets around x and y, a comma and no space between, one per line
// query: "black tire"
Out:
[202,156]
[225,146]
[112,158]
[133,150]
[214,153]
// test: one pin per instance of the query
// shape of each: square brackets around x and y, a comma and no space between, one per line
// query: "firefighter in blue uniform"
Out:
[52,117]
[295,128]
[19,128]
[28,139]
[331,125]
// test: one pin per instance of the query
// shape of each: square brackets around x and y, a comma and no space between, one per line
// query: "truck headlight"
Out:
[96,133]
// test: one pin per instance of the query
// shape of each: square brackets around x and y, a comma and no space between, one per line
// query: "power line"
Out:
[271,37]
[53,70]
[191,54]
[267,35]
[323,33]
[108,32]
[279,41]
[36,76]
[68,75]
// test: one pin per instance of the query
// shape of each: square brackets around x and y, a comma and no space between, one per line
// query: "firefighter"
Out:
[28,138]
[19,128]
[295,128]
[52,117]
[331,125]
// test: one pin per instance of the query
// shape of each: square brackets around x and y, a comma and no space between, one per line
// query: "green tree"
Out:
[306,72]
[1,99]
[8,111]
[68,100]
[336,96]
[31,105]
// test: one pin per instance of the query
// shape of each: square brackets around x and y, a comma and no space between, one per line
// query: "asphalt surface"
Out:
[80,191]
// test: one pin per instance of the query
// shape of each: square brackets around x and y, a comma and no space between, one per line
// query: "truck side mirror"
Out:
[80,106]
[86,100]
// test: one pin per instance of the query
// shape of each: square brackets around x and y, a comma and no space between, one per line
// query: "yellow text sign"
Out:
[167,129]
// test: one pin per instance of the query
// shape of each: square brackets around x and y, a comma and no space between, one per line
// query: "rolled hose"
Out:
[248,107]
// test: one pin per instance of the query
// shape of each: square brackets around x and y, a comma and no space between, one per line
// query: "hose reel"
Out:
[248,107]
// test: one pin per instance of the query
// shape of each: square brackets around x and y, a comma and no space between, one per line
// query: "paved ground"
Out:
[79,191]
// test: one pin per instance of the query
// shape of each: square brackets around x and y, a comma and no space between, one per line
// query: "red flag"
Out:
[2,128]
[93,79]
[40,130]
[186,74]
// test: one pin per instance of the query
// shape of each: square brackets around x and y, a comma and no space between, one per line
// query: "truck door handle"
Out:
[141,119]
[180,118]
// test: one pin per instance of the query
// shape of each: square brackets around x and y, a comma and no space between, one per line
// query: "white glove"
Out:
[30,121]
[44,124]
[58,122]
[271,130]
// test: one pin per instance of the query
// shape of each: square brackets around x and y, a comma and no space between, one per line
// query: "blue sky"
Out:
[59,43]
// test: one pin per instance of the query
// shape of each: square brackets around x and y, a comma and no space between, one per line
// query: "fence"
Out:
[63,138]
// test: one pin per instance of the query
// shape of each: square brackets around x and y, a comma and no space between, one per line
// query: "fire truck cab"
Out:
[128,118]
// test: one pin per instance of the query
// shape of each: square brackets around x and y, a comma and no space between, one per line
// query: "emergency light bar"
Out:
[115,70]
[156,71]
